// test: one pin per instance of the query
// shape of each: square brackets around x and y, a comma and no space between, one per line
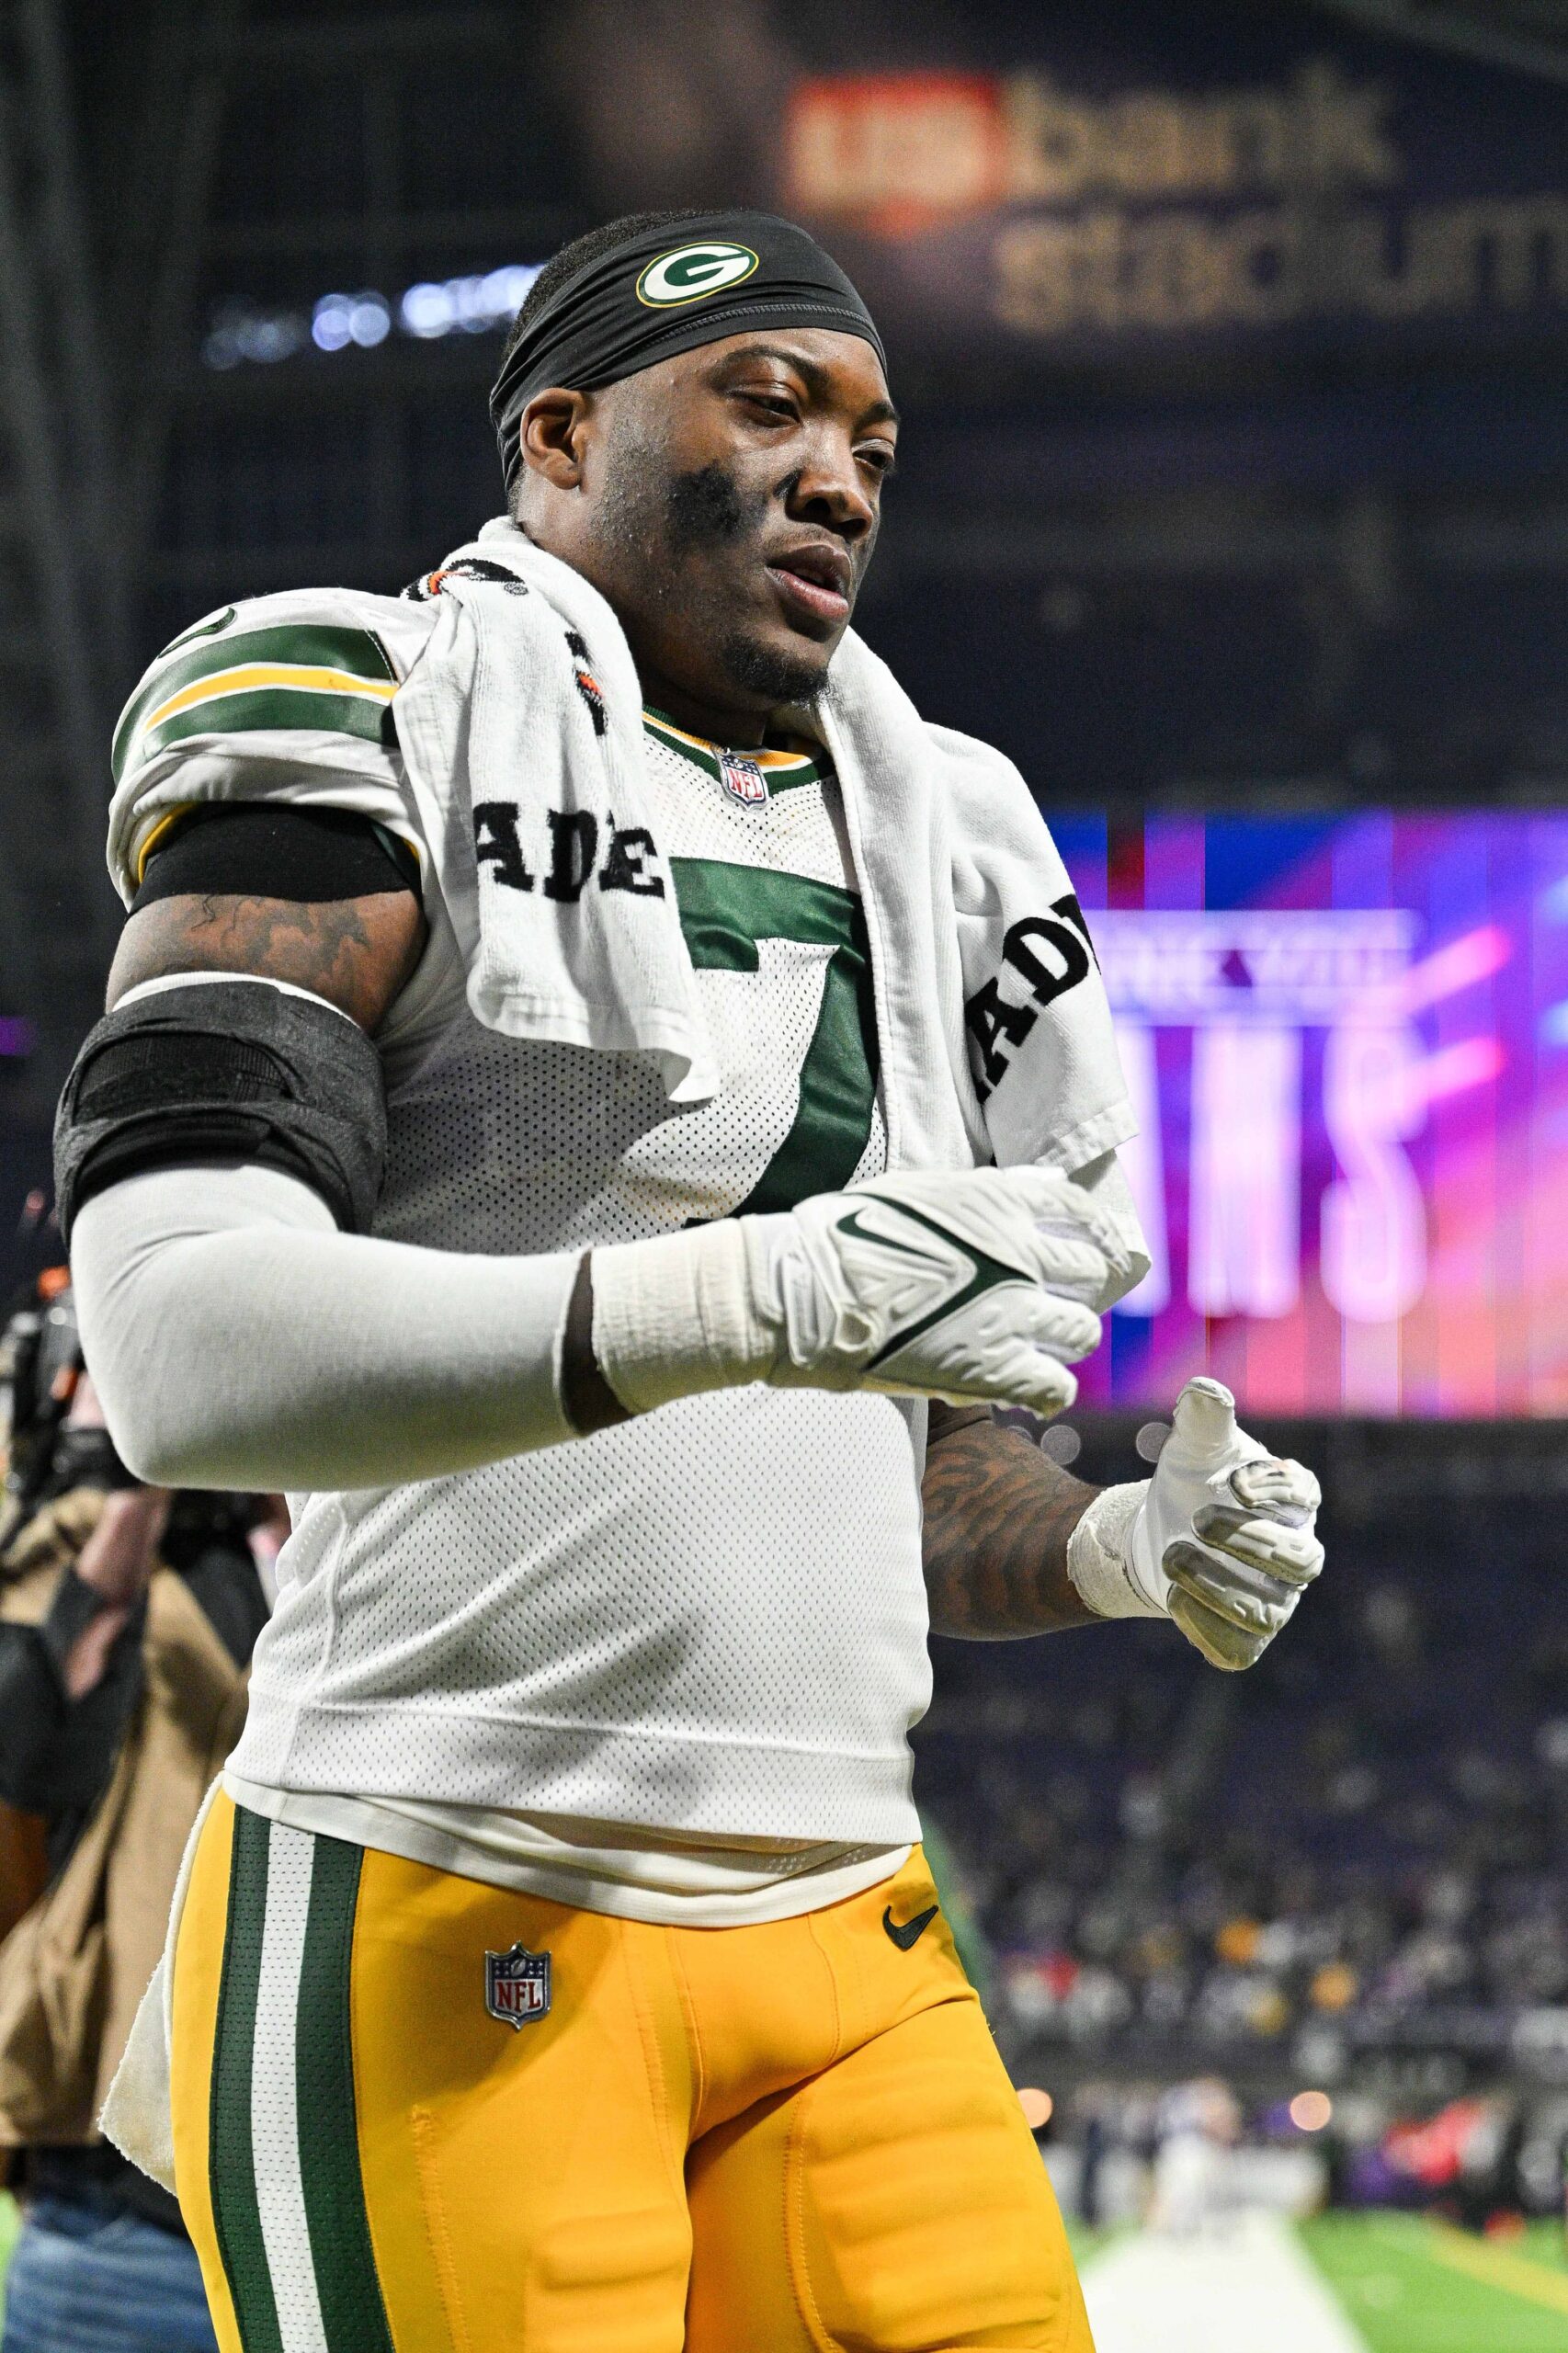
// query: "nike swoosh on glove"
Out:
[1225,1540]
[964,1285]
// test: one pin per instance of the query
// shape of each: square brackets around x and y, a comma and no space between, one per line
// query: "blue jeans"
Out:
[86,2280]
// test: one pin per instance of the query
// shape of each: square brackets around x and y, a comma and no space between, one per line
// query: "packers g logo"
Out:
[692,271]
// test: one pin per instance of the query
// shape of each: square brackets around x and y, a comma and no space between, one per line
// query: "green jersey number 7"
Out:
[725,910]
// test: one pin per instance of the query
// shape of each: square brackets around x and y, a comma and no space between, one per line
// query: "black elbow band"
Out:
[225,1070]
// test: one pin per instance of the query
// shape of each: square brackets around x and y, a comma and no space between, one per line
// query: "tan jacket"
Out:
[76,1966]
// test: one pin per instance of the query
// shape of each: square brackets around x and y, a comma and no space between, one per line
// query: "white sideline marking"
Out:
[1235,2290]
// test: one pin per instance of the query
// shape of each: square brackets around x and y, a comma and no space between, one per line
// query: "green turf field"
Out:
[1416,2286]
[7,2233]
[1396,2284]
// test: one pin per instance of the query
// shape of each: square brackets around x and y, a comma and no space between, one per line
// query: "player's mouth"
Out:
[814,581]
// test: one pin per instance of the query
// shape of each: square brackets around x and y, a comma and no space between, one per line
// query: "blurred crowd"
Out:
[1347,1868]
[1184,2156]
[128,1614]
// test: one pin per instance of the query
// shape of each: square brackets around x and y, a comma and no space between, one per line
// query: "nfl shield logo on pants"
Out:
[516,1986]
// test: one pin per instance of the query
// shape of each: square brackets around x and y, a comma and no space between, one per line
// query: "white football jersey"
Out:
[710,1620]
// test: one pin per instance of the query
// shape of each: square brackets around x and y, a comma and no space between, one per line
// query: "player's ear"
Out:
[554,434]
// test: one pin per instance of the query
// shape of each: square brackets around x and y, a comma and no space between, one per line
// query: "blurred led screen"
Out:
[1346,1038]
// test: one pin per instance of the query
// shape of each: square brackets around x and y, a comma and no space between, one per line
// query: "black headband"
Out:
[670,290]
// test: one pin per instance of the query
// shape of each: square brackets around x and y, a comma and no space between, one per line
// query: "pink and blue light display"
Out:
[1347,1040]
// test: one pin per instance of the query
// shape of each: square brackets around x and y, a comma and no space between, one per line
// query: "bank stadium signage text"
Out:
[1375,188]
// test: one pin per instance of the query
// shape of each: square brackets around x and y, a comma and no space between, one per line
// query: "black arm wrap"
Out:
[225,1070]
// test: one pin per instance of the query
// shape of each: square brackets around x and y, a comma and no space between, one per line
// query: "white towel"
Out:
[521,729]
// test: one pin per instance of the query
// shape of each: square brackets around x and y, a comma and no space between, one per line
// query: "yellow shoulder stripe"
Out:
[248,675]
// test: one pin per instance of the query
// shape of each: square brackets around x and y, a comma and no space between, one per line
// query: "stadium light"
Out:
[466,305]
[240,333]
[1309,2111]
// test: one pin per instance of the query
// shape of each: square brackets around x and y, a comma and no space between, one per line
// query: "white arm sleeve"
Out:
[238,1339]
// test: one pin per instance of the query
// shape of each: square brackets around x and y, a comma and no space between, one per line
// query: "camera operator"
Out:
[127,1620]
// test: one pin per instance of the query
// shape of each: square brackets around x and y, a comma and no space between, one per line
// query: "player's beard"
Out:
[666,523]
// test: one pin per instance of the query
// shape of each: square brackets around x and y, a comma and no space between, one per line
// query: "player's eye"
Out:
[879,458]
[777,406]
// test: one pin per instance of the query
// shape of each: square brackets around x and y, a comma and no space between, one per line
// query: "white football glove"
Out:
[960,1284]
[1220,1540]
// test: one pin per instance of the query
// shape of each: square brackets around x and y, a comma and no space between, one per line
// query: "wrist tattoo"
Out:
[998,1517]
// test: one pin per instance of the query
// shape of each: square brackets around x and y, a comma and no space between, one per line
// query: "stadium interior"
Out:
[1233,493]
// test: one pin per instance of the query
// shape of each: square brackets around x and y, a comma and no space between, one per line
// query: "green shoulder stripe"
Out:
[238,714]
[305,665]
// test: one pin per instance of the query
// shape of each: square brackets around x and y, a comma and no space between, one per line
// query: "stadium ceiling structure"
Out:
[108,134]
[146,167]
[383,221]
[61,573]
[1531,34]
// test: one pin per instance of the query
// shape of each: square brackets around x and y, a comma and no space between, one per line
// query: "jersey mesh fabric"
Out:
[712,1619]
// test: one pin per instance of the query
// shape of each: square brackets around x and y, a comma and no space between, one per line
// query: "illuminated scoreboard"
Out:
[1346,1040]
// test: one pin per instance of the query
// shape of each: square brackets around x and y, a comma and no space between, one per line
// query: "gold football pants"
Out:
[779,2138]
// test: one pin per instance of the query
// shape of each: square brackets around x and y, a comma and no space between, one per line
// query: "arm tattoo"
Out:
[998,1515]
[358,953]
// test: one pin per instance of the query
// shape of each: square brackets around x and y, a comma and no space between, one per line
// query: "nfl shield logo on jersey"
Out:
[743,779]
[516,1986]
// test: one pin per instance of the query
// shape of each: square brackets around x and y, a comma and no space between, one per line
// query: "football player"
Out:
[557,1965]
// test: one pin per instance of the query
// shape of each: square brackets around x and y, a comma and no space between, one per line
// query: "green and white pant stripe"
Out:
[288,2197]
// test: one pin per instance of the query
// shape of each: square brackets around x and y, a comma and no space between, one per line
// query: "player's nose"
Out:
[830,489]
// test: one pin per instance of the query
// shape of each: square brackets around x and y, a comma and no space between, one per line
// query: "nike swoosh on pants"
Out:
[905,1933]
